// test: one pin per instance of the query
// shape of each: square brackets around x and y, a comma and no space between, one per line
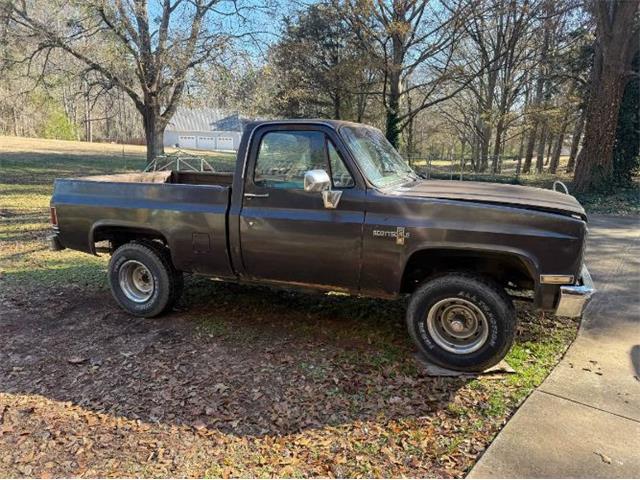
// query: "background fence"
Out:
[503,169]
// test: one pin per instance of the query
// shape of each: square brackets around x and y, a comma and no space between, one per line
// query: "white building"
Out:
[204,129]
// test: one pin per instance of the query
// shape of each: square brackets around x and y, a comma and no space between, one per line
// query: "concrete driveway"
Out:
[584,420]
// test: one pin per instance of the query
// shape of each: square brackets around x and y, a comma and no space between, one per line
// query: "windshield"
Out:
[379,161]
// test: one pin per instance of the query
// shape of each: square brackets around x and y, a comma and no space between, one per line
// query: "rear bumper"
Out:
[54,243]
[575,298]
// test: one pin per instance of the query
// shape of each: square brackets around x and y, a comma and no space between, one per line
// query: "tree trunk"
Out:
[393,105]
[392,130]
[540,83]
[531,145]
[500,126]
[497,147]
[557,149]
[107,124]
[575,141]
[521,147]
[410,129]
[595,165]
[486,107]
[549,141]
[474,153]
[616,42]
[153,131]
[410,140]
[336,106]
[88,131]
[393,100]
[362,105]
[463,147]
[541,145]
[15,121]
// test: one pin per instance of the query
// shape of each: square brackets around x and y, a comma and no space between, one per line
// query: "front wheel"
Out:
[462,322]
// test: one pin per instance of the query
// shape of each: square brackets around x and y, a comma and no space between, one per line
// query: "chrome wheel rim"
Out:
[136,281]
[457,325]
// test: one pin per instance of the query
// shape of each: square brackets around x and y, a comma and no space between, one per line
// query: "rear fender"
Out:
[120,225]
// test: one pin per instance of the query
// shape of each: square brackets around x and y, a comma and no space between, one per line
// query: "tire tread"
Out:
[153,252]
[176,275]
[504,303]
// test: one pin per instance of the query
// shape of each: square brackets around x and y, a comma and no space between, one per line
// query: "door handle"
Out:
[256,195]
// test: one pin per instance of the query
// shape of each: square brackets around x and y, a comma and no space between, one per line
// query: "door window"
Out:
[340,176]
[285,156]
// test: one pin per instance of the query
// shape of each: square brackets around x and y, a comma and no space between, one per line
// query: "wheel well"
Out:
[117,236]
[504,268]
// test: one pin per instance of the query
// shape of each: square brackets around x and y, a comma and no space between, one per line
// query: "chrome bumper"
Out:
[575,298]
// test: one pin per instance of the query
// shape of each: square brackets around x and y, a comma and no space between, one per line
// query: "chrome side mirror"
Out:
[319,181]
[316,181]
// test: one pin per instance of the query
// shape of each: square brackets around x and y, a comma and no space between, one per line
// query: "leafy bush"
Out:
[58,125]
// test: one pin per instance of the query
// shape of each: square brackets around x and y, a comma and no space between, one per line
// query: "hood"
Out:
[496,193]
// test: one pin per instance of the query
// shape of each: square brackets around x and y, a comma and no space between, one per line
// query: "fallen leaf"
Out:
[220,387]
[603,457]
[199,425]
[76,359]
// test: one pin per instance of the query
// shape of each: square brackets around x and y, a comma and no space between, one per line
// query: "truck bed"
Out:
[187,209]
[175,177]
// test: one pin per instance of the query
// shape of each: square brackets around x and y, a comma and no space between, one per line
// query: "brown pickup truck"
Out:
[332,206]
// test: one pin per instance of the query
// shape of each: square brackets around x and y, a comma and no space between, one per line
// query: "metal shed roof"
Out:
[204,120]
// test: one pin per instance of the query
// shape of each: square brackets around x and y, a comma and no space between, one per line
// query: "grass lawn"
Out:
[240,381]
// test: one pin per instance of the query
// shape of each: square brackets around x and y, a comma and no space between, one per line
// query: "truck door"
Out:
[286,233]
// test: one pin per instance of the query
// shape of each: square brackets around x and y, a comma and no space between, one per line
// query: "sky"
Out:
[258,23]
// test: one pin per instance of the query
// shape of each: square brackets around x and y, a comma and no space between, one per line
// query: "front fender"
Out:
[529,261]
[543,242]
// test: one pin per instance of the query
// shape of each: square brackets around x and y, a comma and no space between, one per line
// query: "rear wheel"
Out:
[142,279]
[178,277]
[461,321]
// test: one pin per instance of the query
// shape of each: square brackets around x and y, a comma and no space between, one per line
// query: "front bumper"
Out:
[575,298]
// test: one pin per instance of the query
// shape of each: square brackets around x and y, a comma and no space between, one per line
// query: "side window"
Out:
[284,157]
[339,174]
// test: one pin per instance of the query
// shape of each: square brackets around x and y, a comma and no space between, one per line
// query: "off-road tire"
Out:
[178,276]
[487,296]
[159,267]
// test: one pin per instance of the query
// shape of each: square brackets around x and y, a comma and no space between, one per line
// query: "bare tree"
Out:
[575,140]
[616,44]
[499,35]
[148,56]
[413,43]
[538,98]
